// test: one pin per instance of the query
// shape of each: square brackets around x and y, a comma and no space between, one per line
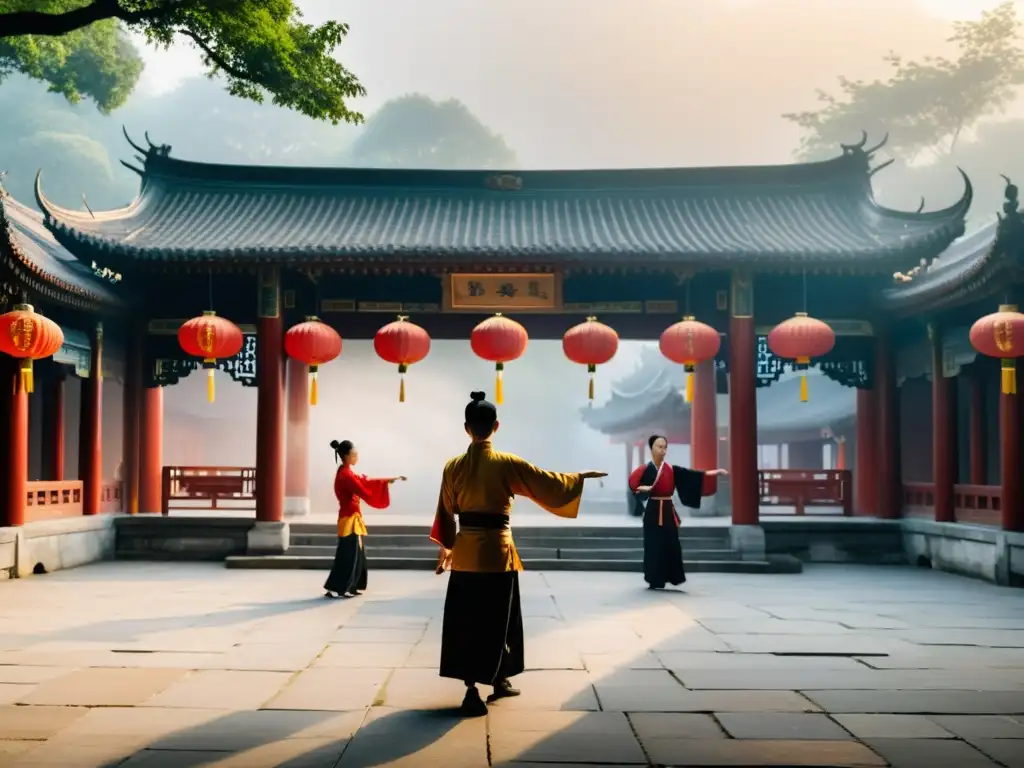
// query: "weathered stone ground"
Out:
[152,665]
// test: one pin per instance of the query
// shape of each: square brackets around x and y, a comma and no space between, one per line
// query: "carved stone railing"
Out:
[919,500]
[50,500]
[978,504]
[208,488]
[802,488]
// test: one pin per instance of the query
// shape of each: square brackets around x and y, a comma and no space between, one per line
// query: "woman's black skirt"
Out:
[663,554]
[348,574]
[482,638]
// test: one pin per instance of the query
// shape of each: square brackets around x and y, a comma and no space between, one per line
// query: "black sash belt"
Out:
[487,520]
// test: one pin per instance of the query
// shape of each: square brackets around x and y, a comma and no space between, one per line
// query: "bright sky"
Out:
[165,69]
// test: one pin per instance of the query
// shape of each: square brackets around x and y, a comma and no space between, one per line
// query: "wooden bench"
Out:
[208,488]
[802,488]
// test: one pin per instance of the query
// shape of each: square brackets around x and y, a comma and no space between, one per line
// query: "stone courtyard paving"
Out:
[149,665]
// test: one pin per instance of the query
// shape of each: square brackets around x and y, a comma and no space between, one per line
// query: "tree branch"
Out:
[213,56]
[55,24]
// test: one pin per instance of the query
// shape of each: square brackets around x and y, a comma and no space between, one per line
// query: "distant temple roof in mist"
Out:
[652,397]
[48,266]
[794,213]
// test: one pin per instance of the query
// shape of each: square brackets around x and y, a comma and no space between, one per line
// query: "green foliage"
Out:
[96,62]
[417,132]
[926,105]
[260,47]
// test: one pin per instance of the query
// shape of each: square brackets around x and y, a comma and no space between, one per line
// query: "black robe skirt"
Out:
[348,574]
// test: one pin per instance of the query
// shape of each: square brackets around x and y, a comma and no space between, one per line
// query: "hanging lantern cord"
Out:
[499,388]
[209,288]
[314,394]
[402,368]
[805,289]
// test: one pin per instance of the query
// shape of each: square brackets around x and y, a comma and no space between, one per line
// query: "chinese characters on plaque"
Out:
[502,293]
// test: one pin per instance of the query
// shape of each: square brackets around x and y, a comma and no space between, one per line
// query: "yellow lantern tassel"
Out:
[499,389]
[591,369]
[401,388]
[1009,376]
[689,387]
[314,389]
[803,388]
[27,383]
[209,385]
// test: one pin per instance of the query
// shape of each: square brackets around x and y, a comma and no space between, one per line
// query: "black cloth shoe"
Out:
[472,704]
[502,690]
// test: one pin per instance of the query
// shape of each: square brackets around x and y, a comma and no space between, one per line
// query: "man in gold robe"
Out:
[482,637]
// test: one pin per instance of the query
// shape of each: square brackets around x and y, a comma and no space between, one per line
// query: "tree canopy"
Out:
[417,132]
[927,105]
[261,47]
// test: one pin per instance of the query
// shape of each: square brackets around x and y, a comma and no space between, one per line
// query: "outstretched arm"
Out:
[557,492]
[374,492]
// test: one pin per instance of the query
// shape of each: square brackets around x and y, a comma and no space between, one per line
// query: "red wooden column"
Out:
[296,468]
[270,400]
[53,425]
[890,490]
[976,422]
[132,395]
[151,449]
[743,403]
[704,418]
[90,440]
[943,432]
[866,471]
[1010,435]
[14,474]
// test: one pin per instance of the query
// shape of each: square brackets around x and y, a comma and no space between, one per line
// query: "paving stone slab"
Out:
[452,742]
[22,675]
[289,753]
[67,754]
[754,753]
[364,655]
[919,702]
[573,737]
[400,635]
[103,687]
[33,723]
[932,753]
[270,657]
[331,689]
[422,689]
[673,725]
[852,679]
[569,690]
[892,727]
[770,626]
[970,727]
[780,725]
[221,689]
[687,660]
[1009,752]
[602,662]
[247,730]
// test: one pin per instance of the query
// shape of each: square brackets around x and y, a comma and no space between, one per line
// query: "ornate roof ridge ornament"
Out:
[504,182]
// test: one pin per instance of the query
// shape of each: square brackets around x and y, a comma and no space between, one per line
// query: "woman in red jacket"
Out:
[348,574]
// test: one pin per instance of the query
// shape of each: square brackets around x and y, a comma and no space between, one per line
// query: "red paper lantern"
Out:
[499,340]
[1001,335]
[27,336]
[591,344]
[210,338]
[689,343]
[799,339]
[315,344]
[401,343]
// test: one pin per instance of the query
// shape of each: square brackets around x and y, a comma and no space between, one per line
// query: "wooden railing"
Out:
[208,488]
[919,500]
[50,499]
[978,504]
[973,504]
[800,488]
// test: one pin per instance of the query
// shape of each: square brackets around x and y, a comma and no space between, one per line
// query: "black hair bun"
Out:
[477,397]
[335,444]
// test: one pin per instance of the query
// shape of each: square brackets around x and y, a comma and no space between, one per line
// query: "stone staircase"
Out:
[705,549]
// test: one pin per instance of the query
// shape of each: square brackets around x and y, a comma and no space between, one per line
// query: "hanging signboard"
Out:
[539,292]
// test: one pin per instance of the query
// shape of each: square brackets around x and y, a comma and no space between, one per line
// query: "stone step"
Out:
[526,553]
[551,542]
[570,531]
[783,564]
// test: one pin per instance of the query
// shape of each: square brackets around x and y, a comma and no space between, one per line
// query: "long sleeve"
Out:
[557,492]
[443,531]
[376,493]
[691,484]
[635,477]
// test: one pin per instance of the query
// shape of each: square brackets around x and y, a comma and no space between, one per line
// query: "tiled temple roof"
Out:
[40,259]
[790,214]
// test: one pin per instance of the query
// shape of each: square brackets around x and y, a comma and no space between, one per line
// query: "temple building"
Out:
[740,248]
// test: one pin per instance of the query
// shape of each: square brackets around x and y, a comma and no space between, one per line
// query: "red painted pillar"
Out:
[1012,468]
[704,418]
[151,449]
[15,471]
[132,394]
[866,472]
[840,461]
[270,400]
[53,427]
[943,433]
[743,404]
[890,488]
[90,440]
[296,468]
[976,421]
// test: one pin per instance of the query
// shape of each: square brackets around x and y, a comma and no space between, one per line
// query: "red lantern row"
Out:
[799,339]
[27,336]
[1001,335]
[210,338]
